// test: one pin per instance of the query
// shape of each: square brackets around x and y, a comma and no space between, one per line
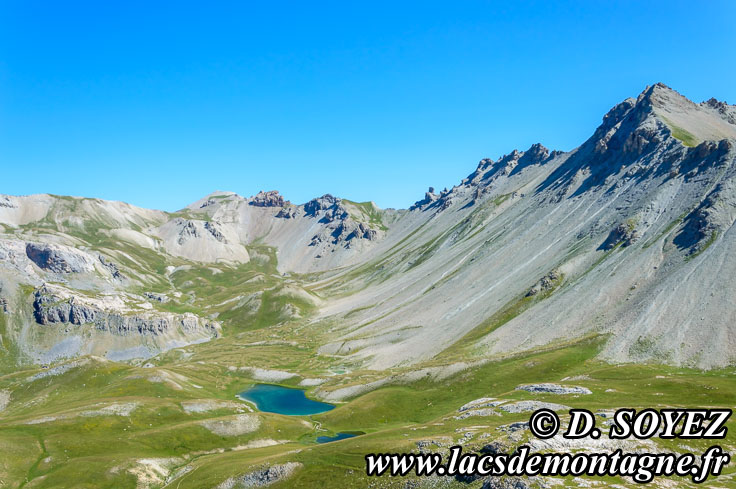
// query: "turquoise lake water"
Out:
[337,437]
[283,400]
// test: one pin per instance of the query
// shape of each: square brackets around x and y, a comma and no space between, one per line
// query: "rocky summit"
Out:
[539,267]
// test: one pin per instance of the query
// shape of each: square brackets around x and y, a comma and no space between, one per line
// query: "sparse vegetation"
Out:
[682,134]
[703,246]
[370,211]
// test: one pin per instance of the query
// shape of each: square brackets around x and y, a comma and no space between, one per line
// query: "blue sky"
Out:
[159,103]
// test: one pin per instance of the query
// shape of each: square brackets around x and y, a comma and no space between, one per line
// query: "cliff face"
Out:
[51,309]
[628,235]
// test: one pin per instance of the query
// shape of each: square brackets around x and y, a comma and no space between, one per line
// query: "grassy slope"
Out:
[77,451]
[682,134]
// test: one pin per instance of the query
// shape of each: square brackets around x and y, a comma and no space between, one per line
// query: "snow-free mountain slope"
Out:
[629,236]
[636,226]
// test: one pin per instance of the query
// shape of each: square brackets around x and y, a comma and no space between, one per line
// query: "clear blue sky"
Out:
[158,103]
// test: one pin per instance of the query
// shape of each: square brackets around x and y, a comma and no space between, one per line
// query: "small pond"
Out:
[283,400]
[339,436]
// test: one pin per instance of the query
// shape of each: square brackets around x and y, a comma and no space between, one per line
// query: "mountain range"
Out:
[628,235]
[597,278]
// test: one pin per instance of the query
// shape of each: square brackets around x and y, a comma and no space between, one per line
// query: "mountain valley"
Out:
[126,334]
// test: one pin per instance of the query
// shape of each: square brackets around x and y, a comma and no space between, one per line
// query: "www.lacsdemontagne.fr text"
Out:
[642,467]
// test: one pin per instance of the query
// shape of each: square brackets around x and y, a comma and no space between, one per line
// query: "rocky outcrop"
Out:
[546,283]
[630,137]
[5,396]
[204,240]
[727,112]
[3,300]
[479,403]
[328,208]
[288,212]
[214,230]
[208,203]
[429,197]
[489,171]
[344,232]
[6,202]
[112,267]
[630,127]
[271,198]
[350,229]
[340,227]
[262,477]
[325,202]
[153,326]
[624,234]
[129,325]
[530,406]
[49,308]
[711,218]
[188,230]
[162,298]
[554,389]
[58,259]
[495,448]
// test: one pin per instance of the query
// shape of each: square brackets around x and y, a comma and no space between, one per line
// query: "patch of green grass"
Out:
[249,296]
[683,135]
[631,223]
[501,199]
[370,211]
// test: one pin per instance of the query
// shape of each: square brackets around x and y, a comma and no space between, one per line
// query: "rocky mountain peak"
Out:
[636,126]
[320,203]
[216,197]
[639,109]
[272,198]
